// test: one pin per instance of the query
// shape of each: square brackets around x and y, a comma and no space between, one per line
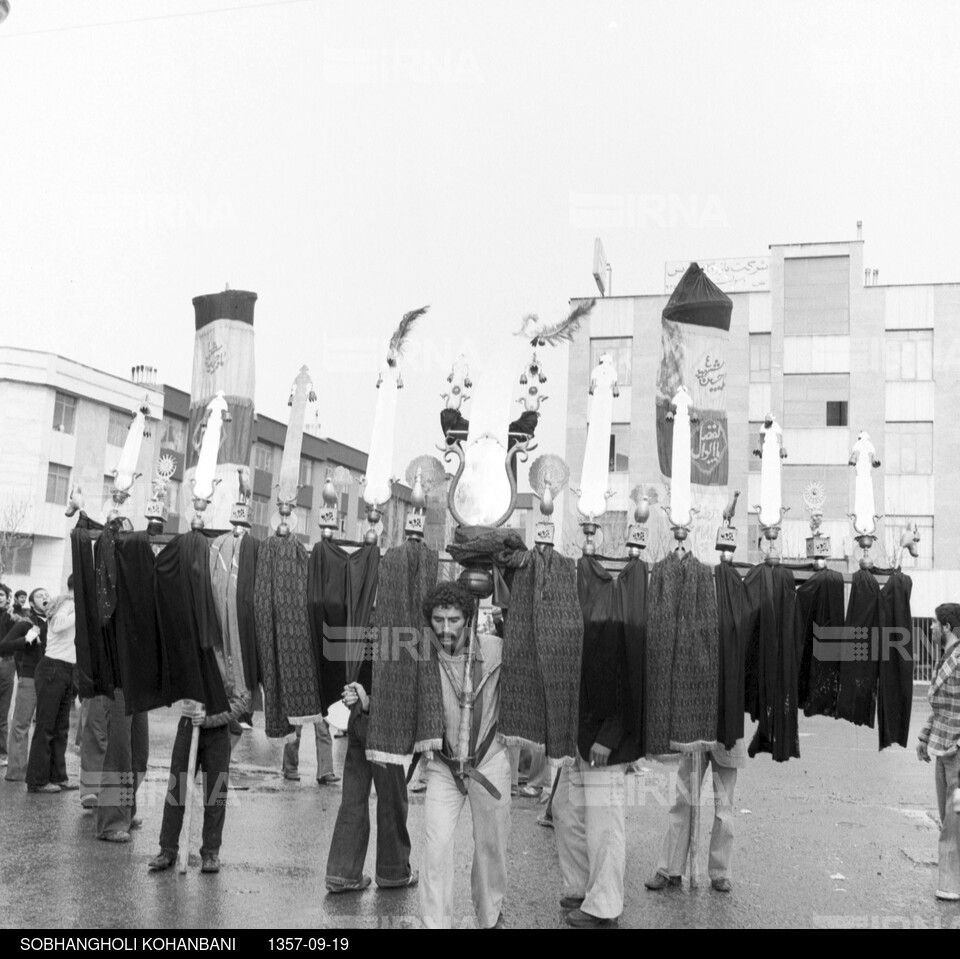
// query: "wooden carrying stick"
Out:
[695,778]
[184,855]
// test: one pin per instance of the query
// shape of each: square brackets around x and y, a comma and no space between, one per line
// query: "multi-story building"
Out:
[63,426]
[815,340]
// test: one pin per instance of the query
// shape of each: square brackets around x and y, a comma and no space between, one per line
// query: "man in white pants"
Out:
[589,822]
[451,607]
[676,844]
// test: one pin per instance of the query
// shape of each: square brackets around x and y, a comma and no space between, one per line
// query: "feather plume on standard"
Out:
[561,332]
[400,334]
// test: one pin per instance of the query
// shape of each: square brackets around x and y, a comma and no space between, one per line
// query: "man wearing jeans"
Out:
[940,740]
[351,834]
[47,768]
[8,672]
[213,758]
[31,652]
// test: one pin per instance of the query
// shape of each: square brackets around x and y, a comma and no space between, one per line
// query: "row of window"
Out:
[65,418]
[909,356]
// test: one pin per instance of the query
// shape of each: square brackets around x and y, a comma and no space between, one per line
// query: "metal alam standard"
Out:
[485,441]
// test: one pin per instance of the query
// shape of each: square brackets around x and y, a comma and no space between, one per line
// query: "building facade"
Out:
[830,354]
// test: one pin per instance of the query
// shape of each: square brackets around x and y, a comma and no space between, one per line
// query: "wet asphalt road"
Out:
[845,836]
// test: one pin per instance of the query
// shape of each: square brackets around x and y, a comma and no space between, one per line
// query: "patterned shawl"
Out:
[682,656]
[407,573]
[543,642]
[291,687]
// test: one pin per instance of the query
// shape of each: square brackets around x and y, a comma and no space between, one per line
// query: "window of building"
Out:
[263,457]
[260,510]
[64,412]
[107,491]
[836,412]
[58,484]
[621,349]
[760,357]
[306,472]
[117,428]
[619,448]
[909,354]
[173,435]
[909,448]
[18,555]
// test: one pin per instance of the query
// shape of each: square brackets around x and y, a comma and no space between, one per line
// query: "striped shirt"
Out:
[942,730]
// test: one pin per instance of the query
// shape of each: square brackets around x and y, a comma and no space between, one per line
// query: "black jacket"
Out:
[14,641]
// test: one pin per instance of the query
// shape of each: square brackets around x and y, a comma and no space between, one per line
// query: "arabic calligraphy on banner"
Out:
[742,275]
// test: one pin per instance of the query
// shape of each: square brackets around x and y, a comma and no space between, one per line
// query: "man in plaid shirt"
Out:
[940,739]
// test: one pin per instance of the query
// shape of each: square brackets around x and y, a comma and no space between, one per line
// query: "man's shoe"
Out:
[162,861]
[45,788]
[545,820]
[411,880]
[89,802]
[529,792]
[499,924]
[210,863]
[724,885]
[292,777]
[136,823]
[3,760]
[660,881]
[583,920]
[571,902]
[68,787]
[948,896]
[418,787]
[328,779]
[358,885]
[119,836]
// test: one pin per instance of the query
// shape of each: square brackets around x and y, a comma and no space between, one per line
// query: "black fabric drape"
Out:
[859,668]
[603,664]
[96,672]
[821,608]
[895,685]
[773,651]
[632,587]
[198,592]
[733,613]
[613,659]
[143,671]
[246,620]
[193,670]
[340,593]
[105,560]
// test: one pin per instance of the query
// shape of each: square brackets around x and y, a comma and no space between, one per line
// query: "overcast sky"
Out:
[352,161]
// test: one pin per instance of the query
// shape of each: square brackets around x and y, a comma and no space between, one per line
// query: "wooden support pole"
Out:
[184,854]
